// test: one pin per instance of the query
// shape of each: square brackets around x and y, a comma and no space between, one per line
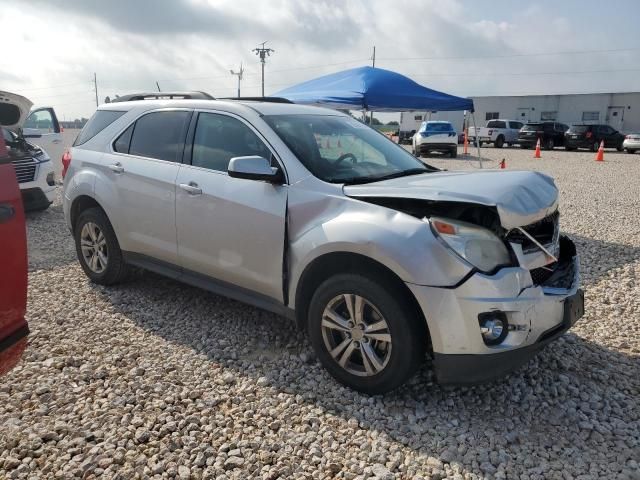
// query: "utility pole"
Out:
[373,64]
[239,75]
[158,85]
[263,53]
[95,86]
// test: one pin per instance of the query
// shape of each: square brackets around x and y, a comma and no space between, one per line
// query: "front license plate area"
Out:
[574,307]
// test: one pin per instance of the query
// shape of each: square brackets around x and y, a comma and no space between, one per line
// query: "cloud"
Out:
[57,45]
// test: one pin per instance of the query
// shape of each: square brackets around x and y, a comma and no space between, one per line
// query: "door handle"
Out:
[6,212]
[191,188]
[116,168]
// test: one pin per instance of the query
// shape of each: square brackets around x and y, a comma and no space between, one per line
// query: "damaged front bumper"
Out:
[536,313]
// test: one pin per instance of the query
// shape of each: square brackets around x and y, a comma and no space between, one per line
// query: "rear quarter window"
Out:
[98,122]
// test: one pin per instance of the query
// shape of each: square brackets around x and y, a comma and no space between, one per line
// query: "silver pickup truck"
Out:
[497,132]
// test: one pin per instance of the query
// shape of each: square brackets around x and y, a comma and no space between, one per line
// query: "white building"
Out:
[619,110]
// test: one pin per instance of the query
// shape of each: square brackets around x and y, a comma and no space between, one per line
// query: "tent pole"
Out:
[473,119]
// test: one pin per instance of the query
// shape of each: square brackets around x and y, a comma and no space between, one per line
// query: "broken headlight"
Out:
[478,246]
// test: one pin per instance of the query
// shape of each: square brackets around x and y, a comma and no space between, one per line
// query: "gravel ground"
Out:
[154,379]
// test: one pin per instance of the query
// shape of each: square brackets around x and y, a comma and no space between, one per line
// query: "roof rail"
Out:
[259,99]
[164,96]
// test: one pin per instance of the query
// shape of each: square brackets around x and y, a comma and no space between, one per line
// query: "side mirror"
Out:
[253,167]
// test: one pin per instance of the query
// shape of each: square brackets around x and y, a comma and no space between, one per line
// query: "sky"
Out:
[467,48]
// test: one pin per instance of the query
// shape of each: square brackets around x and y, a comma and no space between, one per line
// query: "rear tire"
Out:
[570,149]
[631,150]
[394,360]
[499,143]
[620,148]
[98,249]
[549,144]
[524,147]
[453,153]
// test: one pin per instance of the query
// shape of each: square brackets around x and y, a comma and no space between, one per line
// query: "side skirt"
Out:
[213,285]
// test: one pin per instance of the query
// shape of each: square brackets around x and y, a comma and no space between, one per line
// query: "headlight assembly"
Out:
[478,246]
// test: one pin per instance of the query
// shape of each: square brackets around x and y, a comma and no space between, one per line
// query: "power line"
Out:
[516,74]
[514,55]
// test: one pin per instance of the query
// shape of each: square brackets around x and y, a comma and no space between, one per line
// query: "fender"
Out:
[319,224]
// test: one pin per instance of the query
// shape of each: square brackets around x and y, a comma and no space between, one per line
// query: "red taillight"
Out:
[66,160]
[588,135]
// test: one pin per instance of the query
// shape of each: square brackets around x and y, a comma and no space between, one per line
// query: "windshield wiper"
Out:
[403,173]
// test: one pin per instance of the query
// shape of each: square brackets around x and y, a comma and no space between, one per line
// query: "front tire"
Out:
[453,152]
[365,333]
[549,144]
[98,249]
[499,143]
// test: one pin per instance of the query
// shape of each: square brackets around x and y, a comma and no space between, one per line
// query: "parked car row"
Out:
[553,134]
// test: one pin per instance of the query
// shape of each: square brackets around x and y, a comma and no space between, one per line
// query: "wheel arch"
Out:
[329,264]
[79,205]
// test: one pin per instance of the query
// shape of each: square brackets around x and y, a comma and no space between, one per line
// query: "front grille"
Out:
[25,169]
[545,231]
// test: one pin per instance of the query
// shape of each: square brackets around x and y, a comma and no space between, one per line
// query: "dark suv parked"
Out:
[551,134]
[590,136]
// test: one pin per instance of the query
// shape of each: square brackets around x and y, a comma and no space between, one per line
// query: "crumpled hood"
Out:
[14,110]
[520,197]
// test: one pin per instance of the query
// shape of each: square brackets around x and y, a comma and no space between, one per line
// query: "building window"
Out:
[548,116]
[491,115]
[418,117]
[590,116]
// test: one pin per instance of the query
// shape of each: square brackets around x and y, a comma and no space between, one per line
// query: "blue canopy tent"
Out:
[368,88]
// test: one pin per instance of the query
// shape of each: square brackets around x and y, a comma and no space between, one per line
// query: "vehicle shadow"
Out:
[554,401]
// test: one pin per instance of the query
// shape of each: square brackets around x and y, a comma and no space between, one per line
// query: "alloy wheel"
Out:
[94,247]
[356,335]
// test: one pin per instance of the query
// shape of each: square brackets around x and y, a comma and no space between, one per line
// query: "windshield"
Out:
[340,149]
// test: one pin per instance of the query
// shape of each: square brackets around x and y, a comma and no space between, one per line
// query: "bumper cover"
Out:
[537,314]
[462,369]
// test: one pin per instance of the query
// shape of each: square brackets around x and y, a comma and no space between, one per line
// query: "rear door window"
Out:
[122,143]
[515,125]
[160,135]
[98,122]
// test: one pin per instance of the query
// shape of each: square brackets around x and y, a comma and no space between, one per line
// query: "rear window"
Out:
[532,127]
[438,127]
[159,135]
[496,124]
[579,128]
[98,122]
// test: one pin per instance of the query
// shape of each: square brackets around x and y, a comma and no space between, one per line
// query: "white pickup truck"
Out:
[497,132]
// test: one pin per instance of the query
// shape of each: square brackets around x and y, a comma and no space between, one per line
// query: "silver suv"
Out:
[309,213]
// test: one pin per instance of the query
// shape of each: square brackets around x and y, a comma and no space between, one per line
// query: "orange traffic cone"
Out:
[537,154]
[503,164]
[600,154]
[466,143]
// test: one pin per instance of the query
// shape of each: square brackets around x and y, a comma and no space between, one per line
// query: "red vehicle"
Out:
[13,253]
